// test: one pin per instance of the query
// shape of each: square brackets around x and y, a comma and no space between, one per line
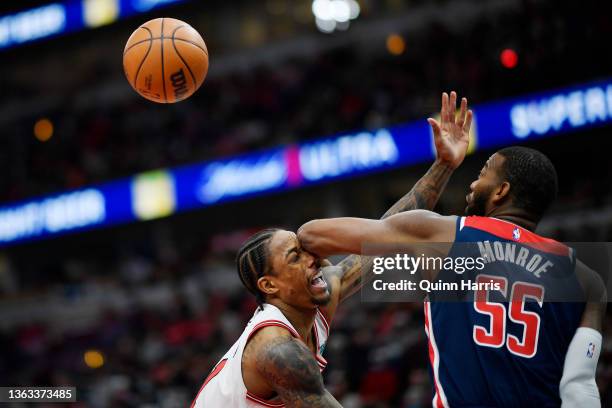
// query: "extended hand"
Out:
[452,134]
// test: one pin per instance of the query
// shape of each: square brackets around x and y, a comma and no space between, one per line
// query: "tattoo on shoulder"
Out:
[291,369]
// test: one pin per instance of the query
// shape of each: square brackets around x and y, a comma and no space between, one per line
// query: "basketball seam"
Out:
[195,83]
[126,48]
[159,38]
[162,62]
[145,57]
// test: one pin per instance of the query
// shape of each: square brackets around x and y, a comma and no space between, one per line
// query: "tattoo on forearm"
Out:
[423,196]
[290,368]
[425,193]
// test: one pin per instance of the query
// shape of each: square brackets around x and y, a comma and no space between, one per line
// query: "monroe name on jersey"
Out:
[518,254]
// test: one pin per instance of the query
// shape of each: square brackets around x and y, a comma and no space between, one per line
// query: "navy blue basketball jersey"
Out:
[504,347]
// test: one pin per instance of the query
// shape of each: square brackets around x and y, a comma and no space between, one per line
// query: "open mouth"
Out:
[317,281]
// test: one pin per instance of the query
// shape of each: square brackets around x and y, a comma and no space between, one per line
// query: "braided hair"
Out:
[253,261]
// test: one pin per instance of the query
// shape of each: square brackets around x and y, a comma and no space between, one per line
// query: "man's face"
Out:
[296,273]
[481,189]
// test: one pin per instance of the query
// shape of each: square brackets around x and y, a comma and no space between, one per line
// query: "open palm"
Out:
[452,132]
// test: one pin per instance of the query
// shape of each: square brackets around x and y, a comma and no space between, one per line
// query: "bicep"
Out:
[290,369]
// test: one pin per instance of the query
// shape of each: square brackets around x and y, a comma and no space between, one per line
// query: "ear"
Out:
[501,193]
[267,285]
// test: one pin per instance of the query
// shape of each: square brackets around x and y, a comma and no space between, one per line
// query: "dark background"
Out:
[161,301]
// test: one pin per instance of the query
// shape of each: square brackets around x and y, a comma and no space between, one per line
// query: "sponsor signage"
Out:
[162,193]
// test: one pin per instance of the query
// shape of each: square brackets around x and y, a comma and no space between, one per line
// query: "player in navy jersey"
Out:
[533,339]
[277,360]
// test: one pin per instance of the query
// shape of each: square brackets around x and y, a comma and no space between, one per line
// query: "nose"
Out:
[309,259]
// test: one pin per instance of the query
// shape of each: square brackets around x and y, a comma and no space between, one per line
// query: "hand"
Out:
[452,135]
[324,262]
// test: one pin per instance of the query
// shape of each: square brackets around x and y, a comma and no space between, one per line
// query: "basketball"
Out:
[165,60]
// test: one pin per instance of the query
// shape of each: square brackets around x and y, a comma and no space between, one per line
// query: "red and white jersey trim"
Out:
[254,398]
[224,387]
[512,232]
[439,399]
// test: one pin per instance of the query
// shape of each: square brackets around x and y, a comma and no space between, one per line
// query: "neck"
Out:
[302,320]
[515,216]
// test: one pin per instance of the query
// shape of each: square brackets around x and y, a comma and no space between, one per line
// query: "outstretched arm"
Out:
[451,139]
[334,236]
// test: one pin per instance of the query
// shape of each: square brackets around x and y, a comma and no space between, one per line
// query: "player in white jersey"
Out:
[277,360]
[225,386]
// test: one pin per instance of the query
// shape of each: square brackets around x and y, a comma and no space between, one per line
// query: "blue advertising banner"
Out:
[164,192]
[69,16]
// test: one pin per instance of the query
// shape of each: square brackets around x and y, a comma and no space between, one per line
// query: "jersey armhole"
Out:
[268,323]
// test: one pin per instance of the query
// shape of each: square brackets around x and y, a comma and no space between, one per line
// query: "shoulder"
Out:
[283,360]
[275,361]
[261,338]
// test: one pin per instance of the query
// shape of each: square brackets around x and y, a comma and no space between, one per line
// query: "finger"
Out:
[462,112]
[444,111]
[468,121]
[435,126]
[453,107]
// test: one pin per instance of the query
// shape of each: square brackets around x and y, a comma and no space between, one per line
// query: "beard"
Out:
[323,299]
[478,204]
[322,302]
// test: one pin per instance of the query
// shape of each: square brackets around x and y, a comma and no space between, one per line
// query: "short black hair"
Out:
[253,261]
[532,177]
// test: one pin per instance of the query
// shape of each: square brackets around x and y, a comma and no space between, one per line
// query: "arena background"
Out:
[136,314]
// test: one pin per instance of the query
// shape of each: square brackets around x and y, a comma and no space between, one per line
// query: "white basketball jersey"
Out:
[224,386]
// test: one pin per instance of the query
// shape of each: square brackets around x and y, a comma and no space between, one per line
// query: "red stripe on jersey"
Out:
[324,320]
[320,360]
[278,323]
[256,328]
[212,375]
[506,230]
[263,402]
[437,399]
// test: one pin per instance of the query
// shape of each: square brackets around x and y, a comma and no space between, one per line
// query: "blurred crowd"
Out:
[153,318]
[343,89]
[159,323]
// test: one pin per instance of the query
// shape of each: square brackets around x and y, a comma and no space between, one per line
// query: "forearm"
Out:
[423,195]
[426,192]
[578,387]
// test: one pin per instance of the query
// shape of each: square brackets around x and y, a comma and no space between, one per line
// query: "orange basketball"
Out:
[165,60]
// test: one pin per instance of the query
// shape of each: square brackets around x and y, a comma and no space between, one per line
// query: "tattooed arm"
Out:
[289,368]
[451,138]
[424,195]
